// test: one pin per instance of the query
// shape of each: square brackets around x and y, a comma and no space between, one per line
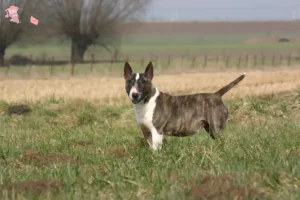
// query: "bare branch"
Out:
[88,22]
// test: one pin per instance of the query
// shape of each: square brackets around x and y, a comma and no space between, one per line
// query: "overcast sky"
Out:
[224,9]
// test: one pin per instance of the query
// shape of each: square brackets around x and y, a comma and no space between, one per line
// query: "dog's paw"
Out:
[157,147]
[157,144]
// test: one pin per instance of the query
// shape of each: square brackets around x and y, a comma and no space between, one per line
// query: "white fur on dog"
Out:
[134,87]
[137,76]
[144,115]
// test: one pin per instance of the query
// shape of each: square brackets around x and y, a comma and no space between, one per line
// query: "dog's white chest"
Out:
[144,112]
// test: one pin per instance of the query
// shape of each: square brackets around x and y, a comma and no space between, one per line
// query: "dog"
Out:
[159,113]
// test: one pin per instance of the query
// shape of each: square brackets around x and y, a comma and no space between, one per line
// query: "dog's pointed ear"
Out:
[127,70]
[149,71]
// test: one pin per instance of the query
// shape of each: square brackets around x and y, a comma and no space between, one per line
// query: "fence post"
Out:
[247,60]
[194,62]
[289,58]
[239,61]
[224,53]
[93,61]
[151,56]
[156,61]
[227,62]
[142,62]
[205,61]
[273,60]
[7,69]
[255,60]
[111,63]
[30,65]
[261,52]
[169,61]
[280,59]
[263,60]
[72,66]
[52,66]
[181,64]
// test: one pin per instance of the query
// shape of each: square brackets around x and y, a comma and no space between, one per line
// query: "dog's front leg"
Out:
[147,134]
[154,139]
[157,139]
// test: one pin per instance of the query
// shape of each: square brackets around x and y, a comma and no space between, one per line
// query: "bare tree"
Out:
[88,22]
[11,32]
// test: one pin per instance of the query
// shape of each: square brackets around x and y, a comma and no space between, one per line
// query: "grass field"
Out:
[98,152]
[81,141]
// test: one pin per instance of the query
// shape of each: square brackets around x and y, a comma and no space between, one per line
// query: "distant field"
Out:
[167,38]
[110,90]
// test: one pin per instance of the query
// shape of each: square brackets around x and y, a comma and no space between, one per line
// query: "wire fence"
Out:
[51,67]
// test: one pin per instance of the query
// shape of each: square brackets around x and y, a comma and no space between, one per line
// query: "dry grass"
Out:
[110,90]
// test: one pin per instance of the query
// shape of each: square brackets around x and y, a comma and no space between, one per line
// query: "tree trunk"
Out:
[2,53]
[77,51]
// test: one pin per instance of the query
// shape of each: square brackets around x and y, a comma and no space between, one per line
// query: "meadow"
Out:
[138,46]
[81,141]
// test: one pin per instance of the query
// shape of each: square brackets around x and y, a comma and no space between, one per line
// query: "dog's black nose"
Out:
[135,96]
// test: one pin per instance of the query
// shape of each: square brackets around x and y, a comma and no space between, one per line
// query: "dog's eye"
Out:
[129,81]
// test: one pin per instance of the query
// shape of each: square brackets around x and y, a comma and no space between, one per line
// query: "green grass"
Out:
[260,150]
[199,39]
[209,42]
[142,45]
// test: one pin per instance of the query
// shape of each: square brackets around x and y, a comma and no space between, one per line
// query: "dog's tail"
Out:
[226,88]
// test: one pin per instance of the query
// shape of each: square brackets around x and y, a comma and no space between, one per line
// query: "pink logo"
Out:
[34,21]
[12,12]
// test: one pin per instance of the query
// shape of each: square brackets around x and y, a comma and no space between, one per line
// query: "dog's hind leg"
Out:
[216,122]
[214,129]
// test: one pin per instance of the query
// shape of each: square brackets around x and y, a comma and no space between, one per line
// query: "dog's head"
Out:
[138,85]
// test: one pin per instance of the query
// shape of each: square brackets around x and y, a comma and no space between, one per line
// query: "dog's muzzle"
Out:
[135,97]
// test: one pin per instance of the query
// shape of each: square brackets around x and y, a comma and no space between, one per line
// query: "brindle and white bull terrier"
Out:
[160,113]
